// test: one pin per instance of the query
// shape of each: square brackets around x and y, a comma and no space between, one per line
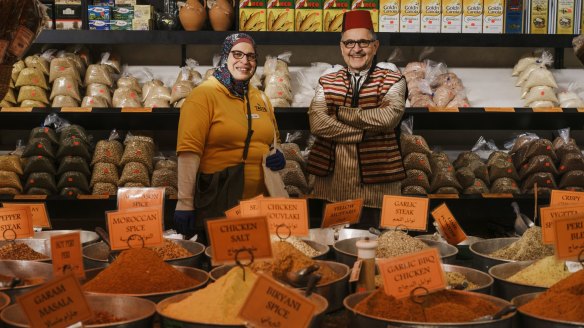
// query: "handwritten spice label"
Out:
[227,236]
[66,254]
[129,198]
[38,212]
[411,212]
[284,211]
[451,230]
[15,223]
[569,239]
[551,214]
[340,213]
[402,274]
[57,304]
[129,228]
[234,212]
[250,207]
[563,197]
[271,304]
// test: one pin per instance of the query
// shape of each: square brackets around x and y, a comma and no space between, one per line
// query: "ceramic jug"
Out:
[192,15]
[220,14]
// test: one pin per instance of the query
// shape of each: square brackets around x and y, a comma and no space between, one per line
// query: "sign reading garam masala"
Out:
[15,223]
[38,211]
[271,304]
[551,214]
[250,207]
[129,198]
[291,212]
[146,224]
[411,212]
[340,213]
[451,230]
[66,254]
[569,239]
[227,236]
[404,273]
[564,197]
[57,304]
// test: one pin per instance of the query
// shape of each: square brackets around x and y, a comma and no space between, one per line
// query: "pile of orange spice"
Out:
[563,301]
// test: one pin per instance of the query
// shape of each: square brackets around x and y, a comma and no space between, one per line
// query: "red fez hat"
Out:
[357,19]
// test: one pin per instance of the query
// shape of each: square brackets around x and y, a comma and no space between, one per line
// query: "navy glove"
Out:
[276,161]
[184,223]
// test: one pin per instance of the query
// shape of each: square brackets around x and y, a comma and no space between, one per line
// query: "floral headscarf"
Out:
[237,88]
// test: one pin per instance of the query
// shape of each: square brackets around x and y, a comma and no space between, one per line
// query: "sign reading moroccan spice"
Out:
[340,213]
[411,212]
[551,214]
[569,238]
[451,230]
[271,304]
[402,274]
[66,254]
[292,213]
[15,223]
[38,212]
[227,236]
[129,198]
[564,197]
[128,229]
[57,304]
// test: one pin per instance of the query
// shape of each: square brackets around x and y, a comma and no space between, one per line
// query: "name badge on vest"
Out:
[255,116]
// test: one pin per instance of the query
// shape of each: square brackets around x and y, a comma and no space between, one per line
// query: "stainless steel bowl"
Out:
[96,255]
[346,250]
[322,250]
[169,321]
[329,236]
[198,274]
[42,246]
[87,237]
[24,270]
[334,291]
[535,321]
[482,248]
[138,312]
[368,321]
[479,278]
[464,252]
[4,301]
[507,289]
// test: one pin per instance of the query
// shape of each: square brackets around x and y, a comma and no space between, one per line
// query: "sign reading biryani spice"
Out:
[252,15]
[308,15]
[280,16]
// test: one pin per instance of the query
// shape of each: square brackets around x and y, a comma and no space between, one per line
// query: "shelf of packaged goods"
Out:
[302,38]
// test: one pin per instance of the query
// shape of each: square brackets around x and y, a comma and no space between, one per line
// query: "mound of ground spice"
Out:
[563,301]
[441,306]
[139,271]
[543,273]
[19,251]
[529,247]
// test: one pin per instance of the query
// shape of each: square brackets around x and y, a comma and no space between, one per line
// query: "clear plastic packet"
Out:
[99,90]
[73,179]
[480,170]
[124,97]
[460,100]
[44,132]
[10,97]
[522,65]
[9,179]
[94,101]
[417,161]
[156,103]
[422,100]
[73,163]
[165,163]
[278,90]
[543,180]
[569,97]
[41,62]
[189,73]
[505,186]
[63,67]
[413,144]
[277,65]
[571,162]
[65,86]
[483,148]
[433,70]
[72,146]
[39,164]
[293,175]
[563,138]
[41,180]
[540,76]
[157,92]
[79,63]
[540,163]
[129,81]
[415,75]
[82,52]
[477,187]
[135,172]
[39,147]
[151,82]
[292,152]
[103,188]
[98,73]
[112,62]
[502,169]
[32,103]
[64,101]
[164,178]
[572,179]
[413,190]
[520,141]
[465,158]
[11,163]
[414,67]
[5,103]
[438,156]
[540,93]
[541,104]
[28,92]
[39,191]
[416,178]
[105,173]
[67,130]
[465,177]
[442,179]
[138,150]
[31,76]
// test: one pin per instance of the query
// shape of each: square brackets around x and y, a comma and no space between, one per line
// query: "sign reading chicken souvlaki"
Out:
[293,213]
[135,228]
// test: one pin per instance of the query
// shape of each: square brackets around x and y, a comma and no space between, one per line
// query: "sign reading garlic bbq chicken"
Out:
[129,228]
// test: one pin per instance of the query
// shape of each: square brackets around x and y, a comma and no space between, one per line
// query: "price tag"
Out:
[402,274]
[286,211]
[234,212]
[227,236]
[500,109]
[411,212]
[89,197]
[563,197]
[66,254]
[15,223]
[551,214]
[443,109]
[130,198]
[250,207]
[569,238]
[76,109]
[501,195]
[443,196]
[135,228]
[340,213]
[451,230]
[38,211]
[57,304]
[548,110]
[28,197]
[271,304]
[136,110]
[16,109]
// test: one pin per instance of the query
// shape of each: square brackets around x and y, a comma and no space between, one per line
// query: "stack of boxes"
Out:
[68,15]
[123,15]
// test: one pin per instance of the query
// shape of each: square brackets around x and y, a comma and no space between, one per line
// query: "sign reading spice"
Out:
[129,198]
[339,213]
[38,212]
[563,197]
[234,212]
[411,212]
[403,274]
[551,214]
[227,236]
[569,238]
[450,229]
[292,213]
[15,223]
[66,254]
[58,303]
[135,228]
[270,304]
[250,207]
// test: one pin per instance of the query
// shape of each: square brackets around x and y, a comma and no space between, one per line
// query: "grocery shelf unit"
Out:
[478,214]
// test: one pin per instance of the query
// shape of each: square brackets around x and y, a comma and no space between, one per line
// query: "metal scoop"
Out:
[10,282]
[301,277]
[499,314]
[375,231]
[105,236]
[522,222]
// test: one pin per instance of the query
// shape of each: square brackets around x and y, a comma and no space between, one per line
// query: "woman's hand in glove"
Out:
[276,161]
[184,223]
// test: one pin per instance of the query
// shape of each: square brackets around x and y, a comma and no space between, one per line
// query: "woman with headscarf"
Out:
[214,127]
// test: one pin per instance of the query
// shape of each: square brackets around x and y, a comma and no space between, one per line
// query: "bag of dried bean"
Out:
[563,150]
[502,169]
[539,163]
[44,132]
[465,177]
[104,188]
[477,187]
[73,163]
[292,175]
[414,190]
[138,149]
[504,186]
[417,161]
[165,177]
[39,191]
[11,163]
[572,179]
[130,82]
[63,67]
[412,143]
[416,178]
[73,146]
[571,162]
[135,172]
[105,173]
[71,192]
[465,158]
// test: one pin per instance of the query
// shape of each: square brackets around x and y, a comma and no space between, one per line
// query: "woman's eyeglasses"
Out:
[239,55]
[362,43]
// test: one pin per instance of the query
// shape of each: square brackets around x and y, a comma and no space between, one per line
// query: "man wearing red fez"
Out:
[354,116]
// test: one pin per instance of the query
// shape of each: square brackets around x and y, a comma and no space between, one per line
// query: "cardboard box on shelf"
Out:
[410,16]
[538,16]
[431,16]
[564,16]
[143,12]
[333,11]
[104,3]
[98,12]
[370,5]
[389,11]
[68,24]
[514,16]
[493,14]
[142,24]
[123,13]
[72,12]
[99,25]
[472,16]
[252,15]
[280,15]
[308,15]
[121,25]
[451,16]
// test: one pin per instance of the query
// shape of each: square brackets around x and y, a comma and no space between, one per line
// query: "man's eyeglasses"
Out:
[238,55]
[362,43]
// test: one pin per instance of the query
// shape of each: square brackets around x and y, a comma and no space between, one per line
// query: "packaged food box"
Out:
[68,24]
[431,16]
[538,14]
[514,16]
[564,16]
[98,12]
[370,5]
[143,12]
[410,16]
[308,15]
[68,12]
[123,12]
[125,2]
[99,25]
[493,14]
[389,15]
[280,16]
[140,24]
[333,14]
[451,16]
[472,16]
[252,15]
[121,25]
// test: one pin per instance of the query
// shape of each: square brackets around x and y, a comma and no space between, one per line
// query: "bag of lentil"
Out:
[292,152]
[11,163]
[413,190]
[134,172]
[520,141]
[417,161]
[104,173]
[465,158]
[138,150]
[541,147]
[499,155]
[40,62]
[38,191]
[44,132]
[28,92]
[165,177]
[477,187]
[65,86]
[156,103]
[79,62]
[73,179]
[439,156]
[39,164]
[41,180]
[63,67]
[565,149]
[572,179]
[442,166]
[104,188]
[189,72]
[108,151]
[543,179]
[64,101]
[416,178]
[130,82]
[38,147]
[502,169]
[73,147]
[124,97]
[71,192]
[166,163]
[33,77]
[73,163]
[444,179]
[571,162]
[9,191]
[98,73]
[539,163]
[112,61]
[504,186]
[10,179]
[99,90]
[465,177]
[412,143]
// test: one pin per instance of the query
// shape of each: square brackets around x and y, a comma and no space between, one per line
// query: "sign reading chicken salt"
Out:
[411,212]
[285,212]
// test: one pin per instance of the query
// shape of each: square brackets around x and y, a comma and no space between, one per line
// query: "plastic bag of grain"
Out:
[64,67]
[417,161]
[11,163]
[499,155]
[9,179]
[108,151]
[465,158]
[73,179]
[41,180]
[572,179]
[138,149]
[444,179]
[502,169]
[543,179]
[79,63]
[540,94]
[180,90]
[73,163]
[112,61]
[477,187]
[65,86]
[31,76]
[90,101]
[166,163]
[130,82]
[99,90]
[124,97]
[134,172]
[465,177]
[40,62]
[64,101]
[104,173]
[522,64]
[541,147]
[164,177]
[190,73]
[29,92]
[571,162]
[71,192]
[416,178]
[413,190]
[412,143]
[72,146]
[39,147]
[292,175]
[39,191]
[569,97]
